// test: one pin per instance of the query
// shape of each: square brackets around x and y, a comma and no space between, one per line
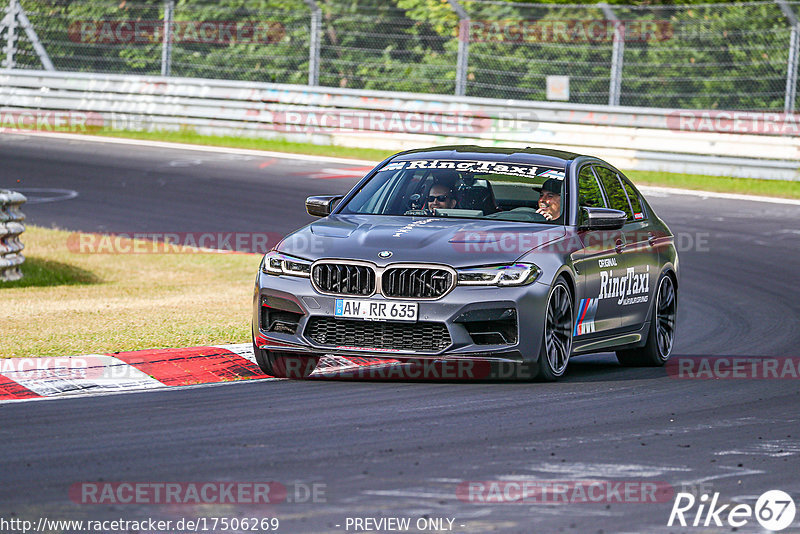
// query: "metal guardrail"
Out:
[10,229]
[631,138]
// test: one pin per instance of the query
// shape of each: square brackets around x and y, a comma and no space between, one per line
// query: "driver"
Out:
[550,199]
[441,197]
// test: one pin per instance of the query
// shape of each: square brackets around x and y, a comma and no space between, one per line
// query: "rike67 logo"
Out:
[774,510]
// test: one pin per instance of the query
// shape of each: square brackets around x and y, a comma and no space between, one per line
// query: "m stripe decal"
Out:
[586,311]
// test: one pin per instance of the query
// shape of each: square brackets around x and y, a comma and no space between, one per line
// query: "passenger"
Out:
[550,200]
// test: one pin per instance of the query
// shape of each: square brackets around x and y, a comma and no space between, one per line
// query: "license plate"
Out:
[376,310]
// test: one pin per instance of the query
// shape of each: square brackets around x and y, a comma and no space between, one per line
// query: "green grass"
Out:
[721,184]
[39,272]
[774,188]
[71,302]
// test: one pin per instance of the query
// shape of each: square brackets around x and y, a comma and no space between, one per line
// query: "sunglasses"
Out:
[438,198]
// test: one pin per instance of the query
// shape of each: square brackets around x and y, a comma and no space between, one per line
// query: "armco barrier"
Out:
[10,229]
[630,138]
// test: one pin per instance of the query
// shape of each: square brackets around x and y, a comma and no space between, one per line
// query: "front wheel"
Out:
[557,339]
[658,347]
[284,364]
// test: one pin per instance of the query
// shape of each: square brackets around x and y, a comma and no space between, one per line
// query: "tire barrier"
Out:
[11,228]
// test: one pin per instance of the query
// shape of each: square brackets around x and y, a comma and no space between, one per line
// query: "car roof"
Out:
[532,155]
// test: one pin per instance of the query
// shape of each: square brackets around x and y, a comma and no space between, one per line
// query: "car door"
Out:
[640,231]
[598,256]
[629,285]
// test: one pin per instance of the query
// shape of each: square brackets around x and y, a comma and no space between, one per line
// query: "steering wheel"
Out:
[522,213]
[419,212]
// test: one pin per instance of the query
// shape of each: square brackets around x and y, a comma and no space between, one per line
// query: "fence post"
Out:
[314,43]
[617,55]
[791,67]
[166,47]
[463,47]
[34,39]
[10,22]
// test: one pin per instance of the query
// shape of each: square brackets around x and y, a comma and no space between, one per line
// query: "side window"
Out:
[617,199]
[633,196]
[589,193]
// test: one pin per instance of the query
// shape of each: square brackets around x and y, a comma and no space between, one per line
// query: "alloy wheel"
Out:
[558,329]
[666,307]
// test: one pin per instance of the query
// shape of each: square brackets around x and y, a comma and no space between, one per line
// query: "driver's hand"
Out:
[545,213]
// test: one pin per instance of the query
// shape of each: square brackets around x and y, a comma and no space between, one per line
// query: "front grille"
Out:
[418,337]
[416,282]
[344,278]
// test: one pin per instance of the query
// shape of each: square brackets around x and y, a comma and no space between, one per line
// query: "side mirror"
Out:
[321,206]
[601,219]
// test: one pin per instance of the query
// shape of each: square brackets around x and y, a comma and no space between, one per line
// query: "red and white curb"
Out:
[35,378]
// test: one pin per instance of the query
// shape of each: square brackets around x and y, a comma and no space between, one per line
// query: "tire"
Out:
[556,345]
[284,364]
[661,335]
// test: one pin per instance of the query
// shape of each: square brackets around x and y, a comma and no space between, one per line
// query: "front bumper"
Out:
[462,305]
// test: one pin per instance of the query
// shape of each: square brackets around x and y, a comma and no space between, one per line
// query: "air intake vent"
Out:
[416,282]
[344,279]
[418,337]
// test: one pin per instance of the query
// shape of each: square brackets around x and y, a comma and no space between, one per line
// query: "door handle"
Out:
[619,246]
[651,239]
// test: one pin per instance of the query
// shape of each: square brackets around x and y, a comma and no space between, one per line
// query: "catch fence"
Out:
[732,56]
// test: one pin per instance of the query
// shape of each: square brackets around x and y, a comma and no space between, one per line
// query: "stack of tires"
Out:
[11,227]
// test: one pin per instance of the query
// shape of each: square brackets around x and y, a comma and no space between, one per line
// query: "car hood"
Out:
[456,242]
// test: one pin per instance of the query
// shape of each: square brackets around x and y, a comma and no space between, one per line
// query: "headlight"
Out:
[276,263]
[514,274]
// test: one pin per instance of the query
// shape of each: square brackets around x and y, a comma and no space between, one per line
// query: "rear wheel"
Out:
[557,339]
[284,364]
[661,336]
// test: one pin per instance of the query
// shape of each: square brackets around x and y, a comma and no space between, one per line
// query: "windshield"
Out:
[463,189]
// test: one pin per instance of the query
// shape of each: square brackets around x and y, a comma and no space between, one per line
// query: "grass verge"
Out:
[721,184]
[275,145]
[70,303]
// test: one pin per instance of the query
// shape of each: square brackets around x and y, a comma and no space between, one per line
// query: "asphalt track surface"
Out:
[400,448]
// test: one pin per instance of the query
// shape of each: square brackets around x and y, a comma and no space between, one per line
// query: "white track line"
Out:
[711,194]
[196,148]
